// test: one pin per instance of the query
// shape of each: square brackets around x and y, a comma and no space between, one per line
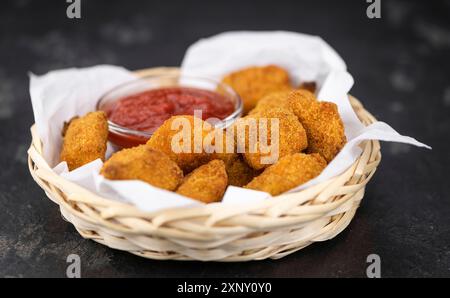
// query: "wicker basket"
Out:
[269,229]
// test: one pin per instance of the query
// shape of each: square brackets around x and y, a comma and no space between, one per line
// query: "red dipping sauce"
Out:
[146,111]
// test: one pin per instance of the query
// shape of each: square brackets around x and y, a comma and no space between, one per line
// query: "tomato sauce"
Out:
[146,111]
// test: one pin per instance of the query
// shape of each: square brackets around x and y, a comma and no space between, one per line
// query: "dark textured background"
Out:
[401,65]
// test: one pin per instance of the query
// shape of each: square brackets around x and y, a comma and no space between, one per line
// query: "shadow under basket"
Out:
[270,229]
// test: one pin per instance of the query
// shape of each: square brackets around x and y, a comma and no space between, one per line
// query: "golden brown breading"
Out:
[291,136]
[144,164]
[308,86]
[194,155]
[207,183]
[289,172]
[273,100]
[85,139]
[239,172]
[322,123]
[253,83]
[227,155]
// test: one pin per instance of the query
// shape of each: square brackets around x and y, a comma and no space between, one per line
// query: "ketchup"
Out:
[146,111]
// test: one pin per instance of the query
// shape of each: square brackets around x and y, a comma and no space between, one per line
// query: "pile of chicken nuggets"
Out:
[311,134]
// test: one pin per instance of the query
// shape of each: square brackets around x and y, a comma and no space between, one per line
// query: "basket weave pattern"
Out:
[216,232]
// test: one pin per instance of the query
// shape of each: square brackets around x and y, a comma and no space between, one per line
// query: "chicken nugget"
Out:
[239,172]
[253,83]
[224,150]
[181,138]
[143,163]
[207,183]
[289,172]
[271,101]
[266,148]
[85,139]
[322,123]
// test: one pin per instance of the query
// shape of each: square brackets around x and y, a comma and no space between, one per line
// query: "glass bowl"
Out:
[125,137]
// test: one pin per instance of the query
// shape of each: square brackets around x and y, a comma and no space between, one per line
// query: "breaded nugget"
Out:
[239,172]
[144,164]
[187,137]
[225,150]
[253,83]
[85,139]
[207,183]
[291,137]
[289,172]
[273,100]
[322,123]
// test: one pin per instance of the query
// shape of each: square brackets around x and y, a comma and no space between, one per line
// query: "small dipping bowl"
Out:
[125,136]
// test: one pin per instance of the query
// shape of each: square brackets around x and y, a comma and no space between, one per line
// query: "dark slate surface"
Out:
[401,64]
